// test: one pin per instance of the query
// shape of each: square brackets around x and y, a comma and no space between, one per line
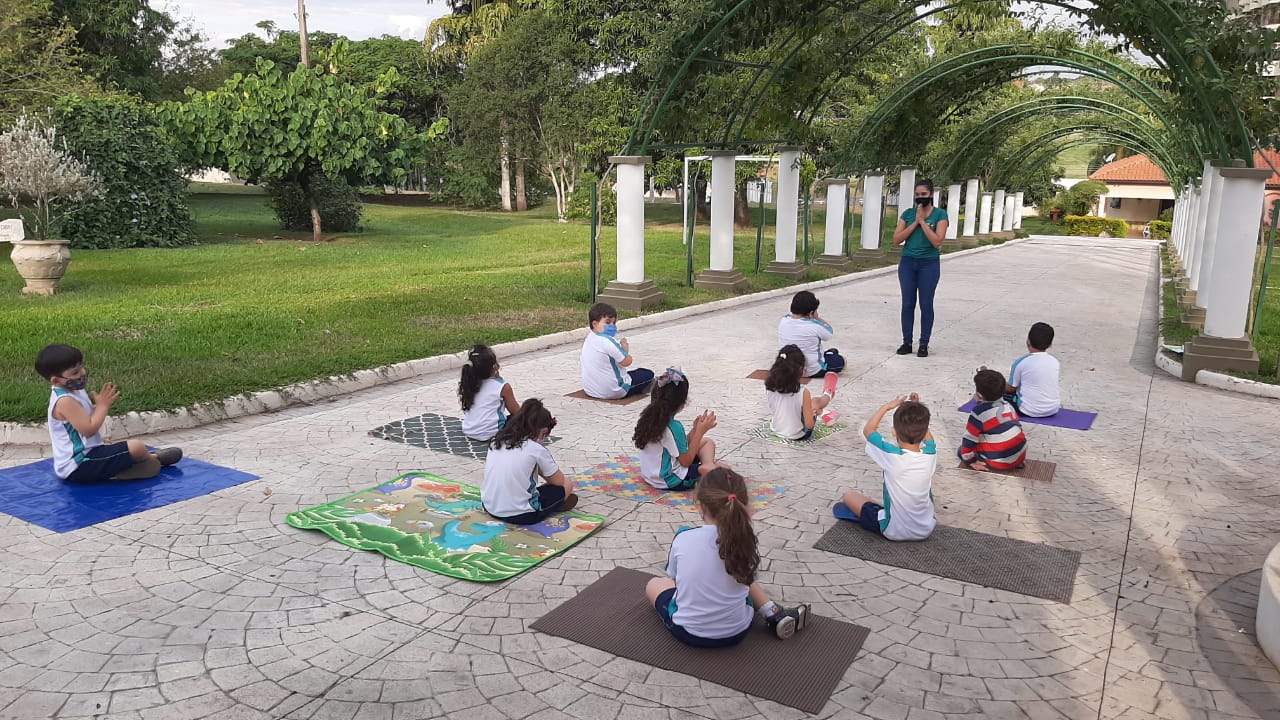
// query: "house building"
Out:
[1137,190]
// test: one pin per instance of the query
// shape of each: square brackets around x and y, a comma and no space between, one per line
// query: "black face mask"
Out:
[924,200]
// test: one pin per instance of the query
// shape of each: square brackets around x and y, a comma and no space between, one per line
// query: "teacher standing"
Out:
[920,232]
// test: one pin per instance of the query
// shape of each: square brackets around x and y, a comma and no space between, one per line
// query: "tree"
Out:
[37,58]
[41,177]
[122,41]
[269,126]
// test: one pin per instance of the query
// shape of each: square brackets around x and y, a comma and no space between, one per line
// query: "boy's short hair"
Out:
[989,384]
[911,422]
[57,359]
[600,311]
[803,303]
[1041,336]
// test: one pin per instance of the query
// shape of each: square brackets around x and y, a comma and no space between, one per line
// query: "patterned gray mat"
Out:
[441,433]
[993,561]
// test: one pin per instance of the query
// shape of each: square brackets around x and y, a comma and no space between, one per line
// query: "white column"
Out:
[1019,201]
[1198,229]
[872,205]
[937,197]
[971,208]
[722,187]
[906,190]
[997,211]
[984,215]
[1008,212]
[784,246]
[953,211]
[1179,230]
[630,190]
[1239,220]
[1204,268]
[837,198]
[1193,222]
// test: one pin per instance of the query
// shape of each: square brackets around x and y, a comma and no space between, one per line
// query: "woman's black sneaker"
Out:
[904,349]
[924,351]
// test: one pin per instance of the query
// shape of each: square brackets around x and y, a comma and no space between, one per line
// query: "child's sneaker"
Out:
[785,623]
[829,416]
[829,384]
[569,503]
[169,456]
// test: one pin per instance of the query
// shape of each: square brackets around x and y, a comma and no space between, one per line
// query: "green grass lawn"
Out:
[252,307]
[1075,161]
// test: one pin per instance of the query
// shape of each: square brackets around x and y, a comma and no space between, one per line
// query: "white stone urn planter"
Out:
[41,263]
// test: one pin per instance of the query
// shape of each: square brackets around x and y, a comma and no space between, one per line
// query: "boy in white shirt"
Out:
[1033,381]
[807,331]
[606,359]
[907,513]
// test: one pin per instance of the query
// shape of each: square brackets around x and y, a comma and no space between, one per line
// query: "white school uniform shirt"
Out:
[787,420]
[488,413]
[1036,377]
[908,488]
[511,478]
[69,447]
[808,335]
[602,376]
[658,463]
[708,603]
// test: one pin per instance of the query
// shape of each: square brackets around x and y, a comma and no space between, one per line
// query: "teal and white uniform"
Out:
[658,463]
[69,447]
[602,376]
[709,602]
[488,413]
[908,488]
[510,485]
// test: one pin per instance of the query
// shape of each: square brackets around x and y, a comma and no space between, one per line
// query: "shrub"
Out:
[144,200]
[1160,229]
[580,200]
[1166,215]
[41,179]
[1094,226]
[340,207]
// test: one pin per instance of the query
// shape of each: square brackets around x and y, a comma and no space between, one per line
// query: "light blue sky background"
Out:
[222,20]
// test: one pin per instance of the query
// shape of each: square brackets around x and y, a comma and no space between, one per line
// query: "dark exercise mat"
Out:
[764,375]
[993,561]
[1030,470]
[582,395]
[802,672]
[440,433]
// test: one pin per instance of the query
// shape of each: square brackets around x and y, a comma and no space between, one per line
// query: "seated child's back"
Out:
[1034,376]
[993,436]
[908,471]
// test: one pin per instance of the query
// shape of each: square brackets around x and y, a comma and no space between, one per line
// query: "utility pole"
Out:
[302,32]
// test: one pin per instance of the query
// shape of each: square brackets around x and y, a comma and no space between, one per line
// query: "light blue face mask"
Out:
[610,329]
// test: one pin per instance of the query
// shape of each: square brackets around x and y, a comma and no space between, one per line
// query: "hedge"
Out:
[1094,226]
[1160,229]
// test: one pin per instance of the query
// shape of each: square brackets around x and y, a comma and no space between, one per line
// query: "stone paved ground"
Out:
[214,607]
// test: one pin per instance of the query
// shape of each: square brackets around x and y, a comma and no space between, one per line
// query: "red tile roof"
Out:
[1138,170]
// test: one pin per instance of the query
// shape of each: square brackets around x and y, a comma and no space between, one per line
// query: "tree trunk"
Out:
[522,202]
[305,183]
[505,188]
[702,210]
[555,184]
[742,208]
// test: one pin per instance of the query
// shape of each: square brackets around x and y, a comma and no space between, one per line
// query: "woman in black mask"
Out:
[920,233]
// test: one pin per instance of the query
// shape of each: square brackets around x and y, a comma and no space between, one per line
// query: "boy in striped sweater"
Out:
[993,438]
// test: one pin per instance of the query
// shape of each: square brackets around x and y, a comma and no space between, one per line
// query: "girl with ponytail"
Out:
[708,596]
[486,398]
[670,459]
[510,491]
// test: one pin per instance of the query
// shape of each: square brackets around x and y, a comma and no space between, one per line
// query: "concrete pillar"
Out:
[1198,229]
[971,208]
[1019,202]
[984,215]
[872,217]
[937,197]
[906,190]
[1009,212]
[722,275]
[784,246]
[953,213]
[997,211]
[837,203]
[631,290]
[1223,345]
[1204,268]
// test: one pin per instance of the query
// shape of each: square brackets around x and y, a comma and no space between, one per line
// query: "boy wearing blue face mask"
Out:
[75,418]
[606,359]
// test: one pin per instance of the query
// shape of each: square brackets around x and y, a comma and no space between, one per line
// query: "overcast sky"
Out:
[225,19]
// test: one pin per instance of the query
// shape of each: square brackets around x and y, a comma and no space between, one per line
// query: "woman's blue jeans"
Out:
[918,276]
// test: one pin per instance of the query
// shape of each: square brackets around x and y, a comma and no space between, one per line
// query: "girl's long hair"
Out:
[527,424]
[723,496]
[784,376]
[670,391]
[479,367]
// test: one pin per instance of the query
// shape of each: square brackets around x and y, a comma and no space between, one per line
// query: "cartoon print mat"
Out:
[620,476]
[820,431]
[441,433]
[439,525]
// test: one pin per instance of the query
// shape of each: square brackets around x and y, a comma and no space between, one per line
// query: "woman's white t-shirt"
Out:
[511,478]
[787,420]
[488,413]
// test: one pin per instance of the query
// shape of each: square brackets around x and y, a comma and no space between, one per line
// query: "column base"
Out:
[960,242]
[835,262]
[869,254]
[894,251]
[1180,284]
[1194,317]
[631,296]
[730,280]
[1187,299]
[791,270]
[1211,353]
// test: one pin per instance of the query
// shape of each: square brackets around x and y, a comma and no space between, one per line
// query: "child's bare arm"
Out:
[701,425]
[68,410]
[509,400]
[874,423]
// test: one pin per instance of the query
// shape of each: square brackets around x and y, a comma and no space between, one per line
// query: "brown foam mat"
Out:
[764,375]
[582,395]
[802,672]
[1030,470]
[993,561]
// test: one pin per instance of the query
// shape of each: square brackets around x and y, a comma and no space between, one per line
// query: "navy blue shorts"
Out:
[869,518]
[690,477]
[549,499]
[102,463]
[640,379]
[665,604]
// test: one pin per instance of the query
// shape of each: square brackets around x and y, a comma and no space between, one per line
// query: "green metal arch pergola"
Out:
[1101,132]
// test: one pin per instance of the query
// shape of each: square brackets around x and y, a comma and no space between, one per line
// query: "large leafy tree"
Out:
[297,127]
[38,58]
[121,41]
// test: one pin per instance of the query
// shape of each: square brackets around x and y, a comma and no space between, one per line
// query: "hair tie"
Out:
[467,363]
[671,376]
[732,497]
[782,356]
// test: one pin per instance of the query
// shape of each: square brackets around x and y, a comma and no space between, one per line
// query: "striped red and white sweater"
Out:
[994,436]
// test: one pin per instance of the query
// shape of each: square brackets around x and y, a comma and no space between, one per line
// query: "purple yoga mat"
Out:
[1064,418]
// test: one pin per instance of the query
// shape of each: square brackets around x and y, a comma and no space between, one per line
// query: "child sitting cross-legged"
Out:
[794,412]
[670,459]
[993,437]
[907,513]
[487,400]
[510,491]
[710,596]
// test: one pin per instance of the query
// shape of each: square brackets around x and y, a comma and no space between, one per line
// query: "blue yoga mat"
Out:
[34,494]
[1064,418]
